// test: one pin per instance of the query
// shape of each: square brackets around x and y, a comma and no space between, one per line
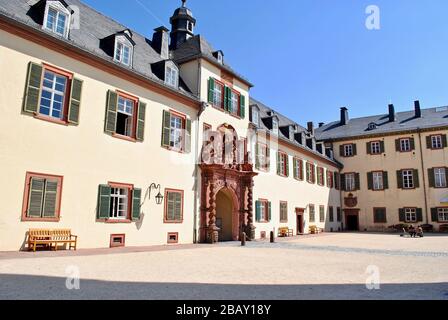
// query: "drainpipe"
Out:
[424,175]
[196,160]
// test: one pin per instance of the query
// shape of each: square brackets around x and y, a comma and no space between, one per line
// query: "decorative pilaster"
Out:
[212,228]
[250,213]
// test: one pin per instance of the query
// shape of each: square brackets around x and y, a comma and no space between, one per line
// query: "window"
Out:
[348,150]
[123,53]
[283,164]
[410,214]
[331,214]
[171,76]
[275,125]
[118,202]
[372,126]
[322,213]
[218,95]
[310,172]
[408,179]
[378,183]
[263,211]
[57,19]
[330,179]
[173,238]
[405,145]
[440,177]
[42,198]
[298,169]
[283,212]
[255,116]
[234,102]
[436,142]
[320,176]
[312,213]
[350,182]
[375,147]
[53,95]
[176,133]
[174,206]
[442,214]
[379,215]
[337,180]
[262,161]
[125,116]
[339,214]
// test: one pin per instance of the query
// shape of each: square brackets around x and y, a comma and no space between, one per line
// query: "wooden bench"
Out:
[285,232]
[49,238]
[315,230]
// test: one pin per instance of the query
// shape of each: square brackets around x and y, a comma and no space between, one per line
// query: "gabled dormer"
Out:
[219,55]
[120,47]
[288,131]
[167,71]
[271,122]
[255,115]
[53,15]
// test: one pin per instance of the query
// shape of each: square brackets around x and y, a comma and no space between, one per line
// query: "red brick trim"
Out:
[114,244]
[172,235]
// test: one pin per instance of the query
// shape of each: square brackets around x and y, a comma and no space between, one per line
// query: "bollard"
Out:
[243,239]
[272,237]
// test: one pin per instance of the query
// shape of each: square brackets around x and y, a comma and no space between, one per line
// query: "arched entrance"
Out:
[227,215]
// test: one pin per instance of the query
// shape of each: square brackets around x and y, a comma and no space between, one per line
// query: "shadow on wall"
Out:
[24,287]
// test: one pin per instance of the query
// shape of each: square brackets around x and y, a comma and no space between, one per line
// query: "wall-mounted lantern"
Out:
[159,196]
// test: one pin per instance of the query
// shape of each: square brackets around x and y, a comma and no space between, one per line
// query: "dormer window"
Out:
[172,75]
[275,125]
[255,116]
[372,126]
[57,18]
[220,58]
[123,52]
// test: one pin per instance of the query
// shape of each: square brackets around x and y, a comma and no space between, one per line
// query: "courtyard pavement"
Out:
[328,266]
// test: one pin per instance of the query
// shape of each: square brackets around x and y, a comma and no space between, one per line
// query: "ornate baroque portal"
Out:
[225,167]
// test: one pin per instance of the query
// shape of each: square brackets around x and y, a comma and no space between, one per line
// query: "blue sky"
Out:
[307,58]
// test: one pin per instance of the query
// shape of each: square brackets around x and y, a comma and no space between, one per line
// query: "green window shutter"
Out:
[428,142]
[103,209]
[313,169]
[368,148]
[419,215]
[357,182]
[287,165]
[211,89]
[397,145]
[226,98]
[434,215]
[140,133]
[355,151]
[166,129]
[136,203]
[294,165]
[242,106]
[187,136]
[36,198]
[268,158]
[341,151]
[412,142]
[444,141]
[50,197]
[402,215]
[257,211]
[278,163]
[178,206]
[431,178]
[75,101]
[370,180]
[111,112]
[342,182]
[382,148]
[32,90]
[269,211]
[416,179]
[385,180]
[399,179]
[257,156]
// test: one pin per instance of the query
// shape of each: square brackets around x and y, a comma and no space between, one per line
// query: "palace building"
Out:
[135,141]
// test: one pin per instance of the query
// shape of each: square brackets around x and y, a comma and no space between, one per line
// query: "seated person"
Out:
[412,231]
[420,232]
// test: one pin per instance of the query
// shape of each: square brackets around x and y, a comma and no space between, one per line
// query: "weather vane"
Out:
[183,3]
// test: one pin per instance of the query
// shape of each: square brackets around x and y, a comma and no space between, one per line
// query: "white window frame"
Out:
[218,90]
[405,145]
[436,142]
[350,182]
[410,215]
[378,181]
[408,179]
[60,10]
[264,208]
[348,150]
[54,93]
[119,203]
[176,132]
[234,102]
[275,125]
[172,75]
[442,214]
[375,147]
[256,116]
[283,162]
[123,101]
[440,178]
[119,51]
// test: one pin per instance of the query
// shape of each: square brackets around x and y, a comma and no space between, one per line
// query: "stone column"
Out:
[250,213]
[212,228]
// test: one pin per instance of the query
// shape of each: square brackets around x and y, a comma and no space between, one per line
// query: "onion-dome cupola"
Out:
[182,26]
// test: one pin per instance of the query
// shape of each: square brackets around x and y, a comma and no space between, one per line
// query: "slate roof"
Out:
[405,121]
[198,46]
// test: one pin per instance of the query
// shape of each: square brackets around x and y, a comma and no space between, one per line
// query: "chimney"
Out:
[418,110]
[391,113]
[311,128]
[344,116]
[160,42]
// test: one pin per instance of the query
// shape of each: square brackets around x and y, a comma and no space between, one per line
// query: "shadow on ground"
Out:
[24,287]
